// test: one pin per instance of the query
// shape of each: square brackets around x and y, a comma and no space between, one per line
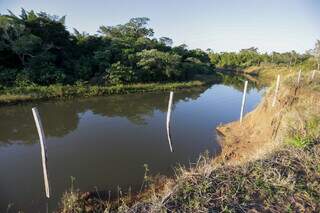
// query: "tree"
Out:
[166,41]
[214,58]
[36,48]
[120,74]
[157,65]
[26,46]
[135,28]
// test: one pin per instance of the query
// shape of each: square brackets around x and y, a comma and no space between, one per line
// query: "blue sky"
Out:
[222,25]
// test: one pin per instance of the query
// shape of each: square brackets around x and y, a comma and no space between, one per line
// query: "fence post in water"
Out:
[168,120]
[299,77]
[43,149]
[276,91]
[243,100]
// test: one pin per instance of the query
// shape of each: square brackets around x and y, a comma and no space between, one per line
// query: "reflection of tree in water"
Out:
[237,82]
[62,117]
[136,107]
[17,123]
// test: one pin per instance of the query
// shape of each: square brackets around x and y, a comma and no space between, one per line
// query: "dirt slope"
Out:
[265,128]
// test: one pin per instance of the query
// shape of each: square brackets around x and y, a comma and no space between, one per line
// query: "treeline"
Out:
[251,57]
[37,49]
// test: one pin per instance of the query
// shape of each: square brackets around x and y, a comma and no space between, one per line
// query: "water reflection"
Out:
[135,107]
[62,117]
[17,124]
[237,82]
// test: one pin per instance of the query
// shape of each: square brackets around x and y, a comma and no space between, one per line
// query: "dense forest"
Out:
[37,49]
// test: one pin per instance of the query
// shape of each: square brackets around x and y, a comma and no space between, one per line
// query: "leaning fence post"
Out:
[299,77]
[276,91]
[43,149]
[243,100]
[168,120]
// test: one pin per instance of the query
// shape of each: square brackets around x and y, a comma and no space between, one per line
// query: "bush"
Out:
[120,74]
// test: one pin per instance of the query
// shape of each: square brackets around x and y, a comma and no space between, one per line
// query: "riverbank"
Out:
[268,72]
[268,163]
[34,93]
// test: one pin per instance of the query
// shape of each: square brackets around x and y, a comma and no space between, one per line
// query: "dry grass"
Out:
[268,73]
[287,180]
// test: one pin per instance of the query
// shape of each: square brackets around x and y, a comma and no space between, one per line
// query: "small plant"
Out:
[146,178]
[307,136]
[10,205]
[299,141]
[71,201]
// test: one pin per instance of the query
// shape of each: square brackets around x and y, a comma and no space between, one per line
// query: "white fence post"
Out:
[168,120]
[43,149]
[299,77]
[313,75]
[243,100]
[276,91]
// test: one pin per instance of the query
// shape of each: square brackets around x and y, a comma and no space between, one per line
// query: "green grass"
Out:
[31,93]
[302,138]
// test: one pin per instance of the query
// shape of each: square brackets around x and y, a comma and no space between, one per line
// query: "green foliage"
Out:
[251,57]
[120,74]
[306,137]
[158,65]
[8,76]
[38,46]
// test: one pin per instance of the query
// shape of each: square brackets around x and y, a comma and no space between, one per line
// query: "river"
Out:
[104,142]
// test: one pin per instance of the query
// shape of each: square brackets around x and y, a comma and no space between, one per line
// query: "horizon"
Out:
[268,25]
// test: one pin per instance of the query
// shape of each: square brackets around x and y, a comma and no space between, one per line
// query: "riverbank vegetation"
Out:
[251,57]
[32,93]
[269,166]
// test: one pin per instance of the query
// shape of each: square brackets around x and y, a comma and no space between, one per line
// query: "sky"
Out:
[221,25]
